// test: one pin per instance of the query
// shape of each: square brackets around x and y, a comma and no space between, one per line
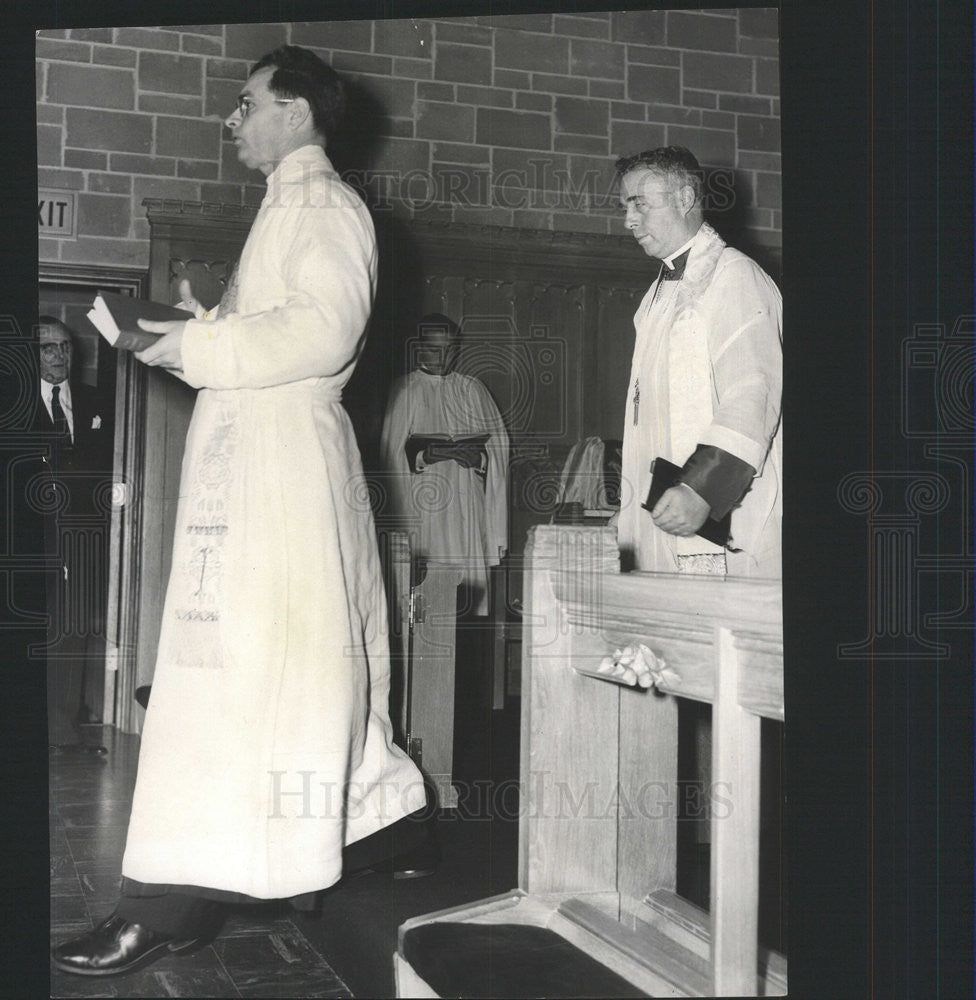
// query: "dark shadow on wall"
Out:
[398,306]
[353,150]
[353,147]
[727,202]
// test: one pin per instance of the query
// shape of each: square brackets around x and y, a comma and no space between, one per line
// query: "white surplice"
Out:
[457,517]
[267,743]
[707,369]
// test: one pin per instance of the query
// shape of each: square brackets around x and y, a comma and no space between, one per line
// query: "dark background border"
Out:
[877,177]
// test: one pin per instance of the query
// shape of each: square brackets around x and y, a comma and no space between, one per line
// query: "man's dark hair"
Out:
[54,321]
[676,162]
[437,322]
[300,72]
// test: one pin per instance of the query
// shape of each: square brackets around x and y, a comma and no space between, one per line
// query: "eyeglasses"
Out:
[245,105]
[61,347]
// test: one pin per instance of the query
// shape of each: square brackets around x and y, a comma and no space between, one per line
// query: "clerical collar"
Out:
[673,266]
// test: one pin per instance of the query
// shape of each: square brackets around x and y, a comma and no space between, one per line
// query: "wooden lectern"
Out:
[597,832]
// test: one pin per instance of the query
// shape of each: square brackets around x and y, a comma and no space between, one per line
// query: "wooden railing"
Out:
[599,759]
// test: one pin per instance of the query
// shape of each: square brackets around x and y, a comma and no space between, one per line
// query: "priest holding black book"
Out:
[704,396]
[705,385]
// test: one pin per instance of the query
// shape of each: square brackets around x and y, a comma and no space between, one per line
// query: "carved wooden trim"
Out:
[743,604]
[675,615]
[589,254]
[459,245]
[688,926]
[171,219]
[193,211]
[59,273]
[432,232]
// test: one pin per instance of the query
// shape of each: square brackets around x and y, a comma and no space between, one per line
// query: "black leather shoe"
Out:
[116,946]
[79,748]
[417,863]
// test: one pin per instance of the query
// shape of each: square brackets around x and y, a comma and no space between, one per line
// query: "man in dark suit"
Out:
[76,500]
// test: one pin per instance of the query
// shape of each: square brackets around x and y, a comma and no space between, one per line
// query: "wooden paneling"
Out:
[647,834]
[735,837]
[430,695]
[611,348]
[567,837]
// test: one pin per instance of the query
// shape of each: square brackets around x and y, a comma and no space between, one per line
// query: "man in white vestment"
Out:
[267,744]
[705,384]
[452,493]
[704,394]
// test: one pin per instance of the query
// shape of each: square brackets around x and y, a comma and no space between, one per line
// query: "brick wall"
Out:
[511,121]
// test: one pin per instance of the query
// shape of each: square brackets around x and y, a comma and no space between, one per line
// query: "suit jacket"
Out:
[84,469]
[56,503]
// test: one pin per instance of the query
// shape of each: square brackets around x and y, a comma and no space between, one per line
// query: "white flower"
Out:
[638,666]
[96,423]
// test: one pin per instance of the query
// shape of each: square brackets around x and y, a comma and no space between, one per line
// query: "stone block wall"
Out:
[511,121]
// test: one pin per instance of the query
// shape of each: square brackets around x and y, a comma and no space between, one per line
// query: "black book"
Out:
[115,316]
[663,476]
[441,445]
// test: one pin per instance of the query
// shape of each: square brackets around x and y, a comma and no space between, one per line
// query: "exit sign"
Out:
[56,213]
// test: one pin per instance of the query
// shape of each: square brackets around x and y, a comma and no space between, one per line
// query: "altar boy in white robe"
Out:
[267,744]
[453,496]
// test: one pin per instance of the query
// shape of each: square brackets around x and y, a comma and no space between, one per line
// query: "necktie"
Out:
[60,420]
[678,270]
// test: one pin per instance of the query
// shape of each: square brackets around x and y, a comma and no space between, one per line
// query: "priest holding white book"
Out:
[267,746]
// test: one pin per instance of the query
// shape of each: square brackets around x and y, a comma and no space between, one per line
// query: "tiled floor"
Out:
[260,952]
[270,951]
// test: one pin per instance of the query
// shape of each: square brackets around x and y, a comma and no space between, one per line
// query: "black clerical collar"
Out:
[677,269]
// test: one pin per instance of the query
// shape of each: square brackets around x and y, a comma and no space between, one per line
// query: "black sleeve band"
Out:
[718,477]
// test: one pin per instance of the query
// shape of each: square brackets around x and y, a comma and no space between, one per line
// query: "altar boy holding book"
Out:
[445,448]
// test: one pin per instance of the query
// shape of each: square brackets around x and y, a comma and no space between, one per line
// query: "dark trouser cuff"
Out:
[174,914]
[404,835]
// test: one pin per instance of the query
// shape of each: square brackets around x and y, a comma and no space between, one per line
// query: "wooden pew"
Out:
[597,828]
[423,619]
